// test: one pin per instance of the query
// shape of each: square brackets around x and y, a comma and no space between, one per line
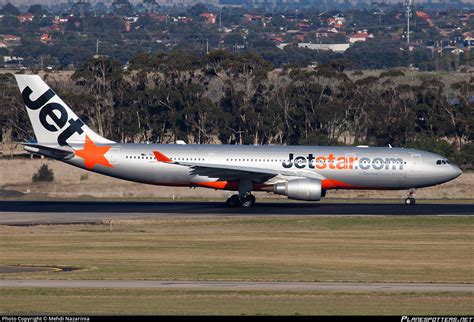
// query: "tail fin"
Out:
[54,123]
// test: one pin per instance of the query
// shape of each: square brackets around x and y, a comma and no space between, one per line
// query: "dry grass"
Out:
[16,175]
[383,249]
[84,301]
[369,249]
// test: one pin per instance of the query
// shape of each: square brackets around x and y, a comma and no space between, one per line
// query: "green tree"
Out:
[44,174]
[10,9]
[36,9]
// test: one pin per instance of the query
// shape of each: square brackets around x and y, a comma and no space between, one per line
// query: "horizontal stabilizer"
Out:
[60,153]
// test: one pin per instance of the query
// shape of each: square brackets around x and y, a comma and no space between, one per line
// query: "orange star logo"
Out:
[93,154]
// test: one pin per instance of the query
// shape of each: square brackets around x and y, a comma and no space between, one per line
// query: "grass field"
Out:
[368,249]
[78,301]
[365,249]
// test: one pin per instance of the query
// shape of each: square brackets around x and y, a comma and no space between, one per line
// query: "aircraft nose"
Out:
[453,172]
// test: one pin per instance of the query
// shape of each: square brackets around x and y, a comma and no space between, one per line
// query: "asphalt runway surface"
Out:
[77,212]
[239,286]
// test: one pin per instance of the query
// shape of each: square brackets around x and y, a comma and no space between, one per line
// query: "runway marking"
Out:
[240,286]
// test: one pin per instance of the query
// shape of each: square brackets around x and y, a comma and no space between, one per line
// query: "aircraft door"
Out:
[415,163]
[113,155]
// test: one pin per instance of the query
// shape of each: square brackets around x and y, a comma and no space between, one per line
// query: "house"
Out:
[423,15]
[337,21]
[11,39]
[155,16]
[321,32]
[468,41]
[26,17]
[50,28]
[209,17]
[301,36]
[303,25]
[12,60]
[45,38]
[132,19]
[184,19]
[360,36]
[249,18]
[277,39]
[59,20]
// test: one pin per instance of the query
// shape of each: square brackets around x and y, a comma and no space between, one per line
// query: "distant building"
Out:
[210,17]
[127,26]
[26,17]
[360,36]
[11,40]
[249,18]
[337,21]
[45,38]
[12,59]
[468,41]
[337,48]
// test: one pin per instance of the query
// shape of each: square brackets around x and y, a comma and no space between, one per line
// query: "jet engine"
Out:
[300,189]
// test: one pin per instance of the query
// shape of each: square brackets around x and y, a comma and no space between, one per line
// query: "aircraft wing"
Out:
[235,172]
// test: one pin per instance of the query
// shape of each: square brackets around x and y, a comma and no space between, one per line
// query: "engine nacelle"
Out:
[300,189]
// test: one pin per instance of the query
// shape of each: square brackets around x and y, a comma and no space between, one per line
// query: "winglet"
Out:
[161,157]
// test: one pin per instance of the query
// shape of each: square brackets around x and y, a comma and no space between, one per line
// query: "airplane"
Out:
[298,172]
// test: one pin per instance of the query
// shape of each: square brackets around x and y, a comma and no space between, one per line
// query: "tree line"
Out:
[240,98]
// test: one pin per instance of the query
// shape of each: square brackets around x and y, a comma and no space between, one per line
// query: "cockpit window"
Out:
[442,162]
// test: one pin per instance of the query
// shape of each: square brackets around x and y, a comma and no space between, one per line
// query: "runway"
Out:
[240,286]
[77,212]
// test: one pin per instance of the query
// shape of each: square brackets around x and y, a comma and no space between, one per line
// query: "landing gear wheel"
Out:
[410,201]
[248,201]
[233,201]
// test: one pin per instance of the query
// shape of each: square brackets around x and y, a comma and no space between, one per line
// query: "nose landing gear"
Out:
[410,200]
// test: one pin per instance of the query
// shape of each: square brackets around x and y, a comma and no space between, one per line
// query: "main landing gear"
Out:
[245,198]
[245,201]
[410,200]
